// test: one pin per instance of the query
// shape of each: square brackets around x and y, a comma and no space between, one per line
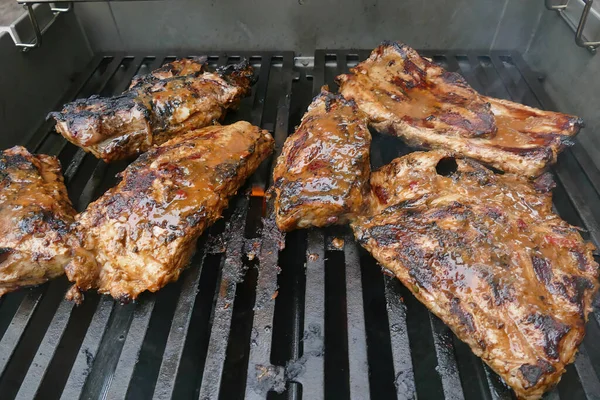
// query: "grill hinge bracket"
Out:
[580,39]
[38,31]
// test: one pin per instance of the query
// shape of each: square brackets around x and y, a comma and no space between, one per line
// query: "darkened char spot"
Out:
[226,171]
[141,181]
[531,373]
[578,286]
[552,330]
[582,262]
[495,214]
[545,183]
[5,252]
[296,146]
[40,221]
[538,153]
[465,318]
[17,161]
[542,269]
[115,205]
[503,292]
[195,218]
[454,78]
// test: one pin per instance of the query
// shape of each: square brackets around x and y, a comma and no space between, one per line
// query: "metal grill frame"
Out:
[337,327]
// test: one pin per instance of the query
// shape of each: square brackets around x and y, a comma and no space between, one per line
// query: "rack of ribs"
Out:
[323,171]
[172,100]
[35,219]
[141,234]
[486,254]
[409,96]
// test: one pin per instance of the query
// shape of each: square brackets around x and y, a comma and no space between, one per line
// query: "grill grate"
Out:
[328,325]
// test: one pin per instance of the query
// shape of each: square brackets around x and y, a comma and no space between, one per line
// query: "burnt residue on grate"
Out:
[258,315]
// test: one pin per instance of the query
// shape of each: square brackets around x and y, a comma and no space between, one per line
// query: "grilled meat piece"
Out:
[486,254]
[153,110]
[409,96]
[323,172]
[141,234]
[35,219]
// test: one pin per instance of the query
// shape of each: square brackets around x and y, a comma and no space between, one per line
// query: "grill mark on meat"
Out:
[533,373]
[578,285]
[5,253]
[544,183]
[553,332]
[464,317]
[38,221]
[503,292]
[542,269]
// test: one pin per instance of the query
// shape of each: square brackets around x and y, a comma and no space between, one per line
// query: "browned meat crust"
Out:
[408,96]
[172,100]
[323,171]
[141,234]
[179,67]
[487,255]
[35,219]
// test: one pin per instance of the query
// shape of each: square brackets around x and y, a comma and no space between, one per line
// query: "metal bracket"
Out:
[37,41]
[580,38]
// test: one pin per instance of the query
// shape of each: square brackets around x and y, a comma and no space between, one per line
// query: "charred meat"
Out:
[408,96]
[486,254]
[180,67]
[323,172]
[141,234]
[35,219]
[172,100]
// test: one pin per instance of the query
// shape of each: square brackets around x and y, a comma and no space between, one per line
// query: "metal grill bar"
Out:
[262,376]
[232,273]
[89,349]
[357,338]
[17,326]
[39,365]
[309,370]
[233,268]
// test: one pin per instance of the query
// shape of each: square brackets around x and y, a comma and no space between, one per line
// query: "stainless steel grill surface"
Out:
[246,320]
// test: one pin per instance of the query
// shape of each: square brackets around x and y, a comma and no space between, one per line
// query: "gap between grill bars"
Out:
[248,320]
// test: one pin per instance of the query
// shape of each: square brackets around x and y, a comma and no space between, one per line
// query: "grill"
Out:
[246,320]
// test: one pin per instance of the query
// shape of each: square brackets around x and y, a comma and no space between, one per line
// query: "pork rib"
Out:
[408,96]
[486,254]
[170,101]
[323,171]
[35,219]
[141,234]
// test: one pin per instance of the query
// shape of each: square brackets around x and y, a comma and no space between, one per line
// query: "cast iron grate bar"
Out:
[357,338]
[89,349]
[262,376]
[232,267]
